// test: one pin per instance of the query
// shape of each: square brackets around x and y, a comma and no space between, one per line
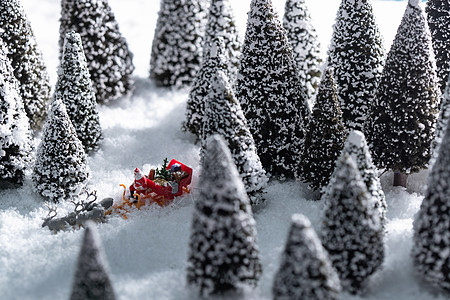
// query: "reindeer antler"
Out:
[52,209]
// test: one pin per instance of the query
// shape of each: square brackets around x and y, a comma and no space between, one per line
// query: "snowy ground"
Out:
[147,253]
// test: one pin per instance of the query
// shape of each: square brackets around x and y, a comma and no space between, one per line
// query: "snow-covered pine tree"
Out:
[176,52]
[438,16]
[351,229]
[400,125]
[61,166]
[357,55]
[15,134]
[26,60]
[223,253]
[431,225]
[270,92]
[324,137]
[109,59]
[441,124]
[74,88]
[221,23]
[213,59]
[305,270]
[224,116]
[356,147]
[92,273]
[305,44]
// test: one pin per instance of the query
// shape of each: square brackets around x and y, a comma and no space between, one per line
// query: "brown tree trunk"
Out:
[400,179]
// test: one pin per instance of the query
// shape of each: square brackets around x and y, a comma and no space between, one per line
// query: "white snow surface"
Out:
[147,253]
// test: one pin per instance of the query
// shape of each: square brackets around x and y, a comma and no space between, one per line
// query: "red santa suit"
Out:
[141,183]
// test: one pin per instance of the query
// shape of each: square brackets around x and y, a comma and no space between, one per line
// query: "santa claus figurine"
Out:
[141,183]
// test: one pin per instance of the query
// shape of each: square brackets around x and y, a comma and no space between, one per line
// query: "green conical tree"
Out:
[305,270]
[177,43]
[441,124]
[325,136]
[15,136]
[400,126]
[305,44]
[26,60]
[223,254]
[351,229]
[61,169]
[109,59]
[438,15]
[357,55]
[270,92]
[74,88]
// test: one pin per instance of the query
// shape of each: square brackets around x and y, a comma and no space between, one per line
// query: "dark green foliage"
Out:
[305,45]
[15,135]
[325,136]
[109,59]
[305,271]
[74,88]
[213,59]
[270,91]
[441,124]
[438,15]
[91,277]
[356,53]
[223,254]
[431,225]
[26,60]
[400,126]
[221,23]
[163,172]
[224,116]
[177,43]
[351,229]
[61,169]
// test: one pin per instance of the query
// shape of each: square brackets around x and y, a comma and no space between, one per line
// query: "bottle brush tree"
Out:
[176,52]
[74,88]
[221,23]
[441,124]
[26,60]
[438,16]
[431,225]
[109,59]
[224,116]
[324,138]
[15,135]
[357,55]
[61,169]
[213,59]
[351,229]
[223,253]
[270,92]
[305,44]
[400,126]
[92,271]
[305,270]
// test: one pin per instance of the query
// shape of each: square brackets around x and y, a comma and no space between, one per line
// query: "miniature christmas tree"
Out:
[74,87]
[306,48]
[15,135]
[61,166]
[431,224]
[325,136]
[177,43]
[438,16]
[400,126]
[356,147]
[162,172]
[223,254]
[107,54]
[221,23]
[91,277]
[270,91]
[213,59]
[26,60]
[351,229]
[305,271]
[224,116]
[357,55]
[441,124]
